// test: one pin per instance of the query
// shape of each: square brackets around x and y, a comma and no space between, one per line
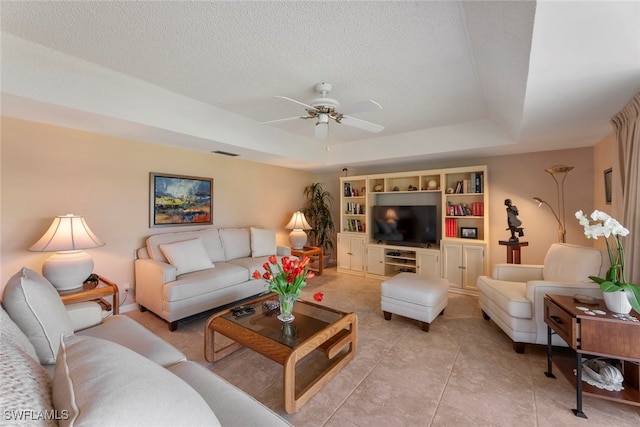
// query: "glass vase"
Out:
[286,307]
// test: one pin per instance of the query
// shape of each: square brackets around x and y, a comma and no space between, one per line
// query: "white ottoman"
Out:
[414,296]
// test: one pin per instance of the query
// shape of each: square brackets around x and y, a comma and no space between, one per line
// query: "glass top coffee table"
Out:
[316,328]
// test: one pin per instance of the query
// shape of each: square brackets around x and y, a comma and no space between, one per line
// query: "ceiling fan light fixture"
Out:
[323,119]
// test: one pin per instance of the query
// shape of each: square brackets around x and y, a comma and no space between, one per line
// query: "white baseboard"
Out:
[128,307]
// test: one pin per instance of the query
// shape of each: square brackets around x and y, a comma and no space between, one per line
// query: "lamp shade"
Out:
[70,265]
[67,233]
[298,222]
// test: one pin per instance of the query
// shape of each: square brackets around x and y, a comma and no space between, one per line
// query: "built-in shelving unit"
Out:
[460,253]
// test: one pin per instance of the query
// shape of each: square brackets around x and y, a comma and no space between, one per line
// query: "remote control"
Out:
[242,313]
[242,308]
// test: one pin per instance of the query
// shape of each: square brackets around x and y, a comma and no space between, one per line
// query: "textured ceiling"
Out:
[455,79]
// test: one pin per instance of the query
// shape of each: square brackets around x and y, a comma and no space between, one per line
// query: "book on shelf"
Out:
[451,227]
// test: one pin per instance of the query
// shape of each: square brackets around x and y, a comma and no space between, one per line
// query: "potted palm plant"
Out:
[317,210]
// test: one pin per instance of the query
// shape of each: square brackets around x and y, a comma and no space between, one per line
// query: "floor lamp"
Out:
[559,174]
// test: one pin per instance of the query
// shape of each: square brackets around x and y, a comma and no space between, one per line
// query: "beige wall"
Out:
[520,178]
[49,171]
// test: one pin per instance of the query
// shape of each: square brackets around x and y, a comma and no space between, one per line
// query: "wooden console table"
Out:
[513,250]
[602,336]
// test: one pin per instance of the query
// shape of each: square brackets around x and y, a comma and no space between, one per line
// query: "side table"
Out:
[309,251]
[598,335]
[95,292]
[513,250]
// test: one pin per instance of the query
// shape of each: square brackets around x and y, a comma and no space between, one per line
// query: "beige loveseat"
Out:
[68,366]
[514,296]
[182,274]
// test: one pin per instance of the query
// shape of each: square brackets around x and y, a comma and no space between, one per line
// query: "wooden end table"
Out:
[309,251]
[315,327]
[600,335]
[95,292]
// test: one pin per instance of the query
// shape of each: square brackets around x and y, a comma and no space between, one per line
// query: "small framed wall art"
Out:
[469,232]
[179,200]
[607,186]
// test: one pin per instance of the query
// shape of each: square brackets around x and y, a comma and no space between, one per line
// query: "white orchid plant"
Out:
[603,225]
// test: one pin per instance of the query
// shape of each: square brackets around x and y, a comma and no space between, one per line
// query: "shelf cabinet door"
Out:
[428,263]
[474,263]
[452,263]
[375,260]
[463,263]
[351,253]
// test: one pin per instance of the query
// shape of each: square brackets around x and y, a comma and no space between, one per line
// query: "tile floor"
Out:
[464,372]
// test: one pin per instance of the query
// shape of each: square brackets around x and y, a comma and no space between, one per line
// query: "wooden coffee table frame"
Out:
[332,340]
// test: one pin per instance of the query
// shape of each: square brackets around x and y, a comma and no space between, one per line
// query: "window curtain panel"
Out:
[625,182]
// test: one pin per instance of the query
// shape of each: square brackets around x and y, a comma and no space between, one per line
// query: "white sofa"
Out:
[514,296]
[112,372]
[182,274]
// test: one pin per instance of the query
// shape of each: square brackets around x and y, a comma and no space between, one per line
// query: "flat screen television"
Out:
[406,225]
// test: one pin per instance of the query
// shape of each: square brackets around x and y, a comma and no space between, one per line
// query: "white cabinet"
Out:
[428,262]
[351,253]
[375,260]
[463,263]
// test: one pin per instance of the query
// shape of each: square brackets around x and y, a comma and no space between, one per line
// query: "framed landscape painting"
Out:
[180,200]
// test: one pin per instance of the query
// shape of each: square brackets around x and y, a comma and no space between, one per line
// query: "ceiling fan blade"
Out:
[361,124]
[322,130]
[283,120]
[307,106]
[361,107]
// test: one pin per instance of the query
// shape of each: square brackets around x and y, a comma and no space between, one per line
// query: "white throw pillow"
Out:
[35,306]
[263,242]
[187,256]
[103,383]
[236,243]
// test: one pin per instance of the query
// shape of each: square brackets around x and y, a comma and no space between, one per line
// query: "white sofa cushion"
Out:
[25,389]
[571,263]
[187,256]
[10,334]
[232,406]
[35,306]
[236,243]
[127,332]
[210,239]
[263,242]
[103,383]
[511,297]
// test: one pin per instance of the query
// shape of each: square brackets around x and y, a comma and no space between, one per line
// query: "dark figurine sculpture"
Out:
[513,221]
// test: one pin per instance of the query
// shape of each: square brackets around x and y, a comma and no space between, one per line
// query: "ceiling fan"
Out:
[324,108]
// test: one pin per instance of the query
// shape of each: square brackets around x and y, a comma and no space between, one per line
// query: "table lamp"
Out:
[298,224]
[70,266]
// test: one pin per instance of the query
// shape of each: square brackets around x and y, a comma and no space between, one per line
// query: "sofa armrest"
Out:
[283,251]
[151,276]
[84,315]
[152,270]
[517,272]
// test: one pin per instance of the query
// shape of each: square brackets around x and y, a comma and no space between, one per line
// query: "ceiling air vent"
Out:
[225,153]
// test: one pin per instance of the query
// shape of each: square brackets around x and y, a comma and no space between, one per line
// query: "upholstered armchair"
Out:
[514,296]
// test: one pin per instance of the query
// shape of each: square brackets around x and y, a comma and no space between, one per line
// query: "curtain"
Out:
[626,178]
